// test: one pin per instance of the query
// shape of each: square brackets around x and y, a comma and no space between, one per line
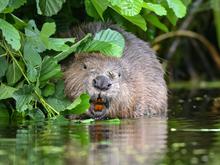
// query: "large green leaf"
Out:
[3,4]
[50,69]
[100,6]
[13,73]
[156,22]
[80,104]
[3,66]
[128,7]
[49,7]
[156,8]
[178,7]
[6,91]
[11,34]
[23,97]
[108,42]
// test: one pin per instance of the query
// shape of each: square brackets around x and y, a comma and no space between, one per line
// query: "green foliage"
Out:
[30,74]
[131,10]
[108,42]
[49,7]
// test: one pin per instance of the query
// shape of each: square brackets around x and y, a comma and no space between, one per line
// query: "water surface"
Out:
[191,135]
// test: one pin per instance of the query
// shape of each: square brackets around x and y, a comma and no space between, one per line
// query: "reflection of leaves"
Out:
[23,97]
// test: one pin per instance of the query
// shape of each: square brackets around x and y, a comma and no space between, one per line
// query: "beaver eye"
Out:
[119,74]
[84,66]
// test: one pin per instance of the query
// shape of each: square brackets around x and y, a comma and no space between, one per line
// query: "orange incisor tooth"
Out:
[99,107]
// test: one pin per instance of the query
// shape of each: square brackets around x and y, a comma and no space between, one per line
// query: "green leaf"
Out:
[178,7]
[100,6]
[32,73]
[137,20]
[156,22]
[79,105]
[59,92]
[90,9]
[6,91]
[33,37]
[108,42]
[172,17]
[11,34]
[31,56]
[3,4]
[58,104]
[50,69]
[128,7]
[23,97]
[13,73]
[48,90]
[49,7]
[47,30]
[156,8]
[58,44]
[14,4]
[3,66]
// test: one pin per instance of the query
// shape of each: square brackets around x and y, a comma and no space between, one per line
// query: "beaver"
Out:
[126,87]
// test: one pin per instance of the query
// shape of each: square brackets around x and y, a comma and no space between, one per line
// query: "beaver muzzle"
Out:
[98,107]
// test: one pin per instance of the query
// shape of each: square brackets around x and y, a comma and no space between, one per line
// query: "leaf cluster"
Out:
[30,72]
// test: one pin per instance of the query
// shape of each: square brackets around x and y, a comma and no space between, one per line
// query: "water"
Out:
[191,135]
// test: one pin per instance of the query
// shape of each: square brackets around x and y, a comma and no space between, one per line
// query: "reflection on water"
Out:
[131,142]
[191,135]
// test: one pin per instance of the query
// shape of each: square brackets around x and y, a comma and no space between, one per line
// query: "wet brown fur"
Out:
[141,89]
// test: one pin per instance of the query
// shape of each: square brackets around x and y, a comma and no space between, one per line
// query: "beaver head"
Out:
[103,78]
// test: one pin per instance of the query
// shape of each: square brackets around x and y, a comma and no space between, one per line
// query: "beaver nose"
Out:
[101,82]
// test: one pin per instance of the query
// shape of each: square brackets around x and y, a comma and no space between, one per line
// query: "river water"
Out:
[190,135]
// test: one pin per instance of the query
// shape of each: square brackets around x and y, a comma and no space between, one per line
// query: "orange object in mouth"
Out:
[99,107]
[99,104]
